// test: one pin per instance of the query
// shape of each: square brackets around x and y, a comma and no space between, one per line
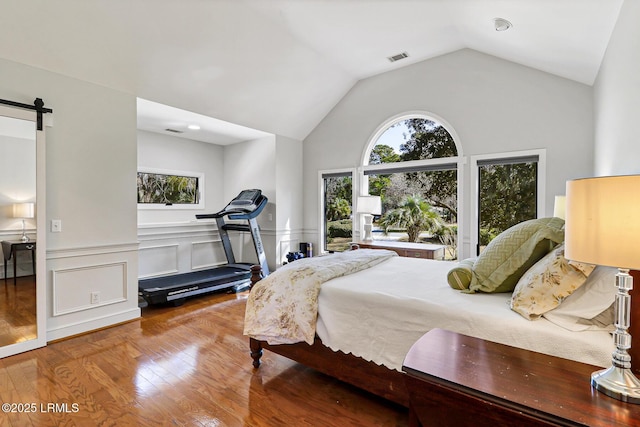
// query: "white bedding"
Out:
[386,308]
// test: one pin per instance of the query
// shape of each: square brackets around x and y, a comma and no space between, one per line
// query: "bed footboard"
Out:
[379,380]
[376,379]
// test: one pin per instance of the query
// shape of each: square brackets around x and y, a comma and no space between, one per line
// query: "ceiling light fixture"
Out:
[501,24]
[194,127]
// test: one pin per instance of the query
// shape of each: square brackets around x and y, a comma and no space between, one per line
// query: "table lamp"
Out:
[369,206]
[23,210]
[603,227]
[558,206]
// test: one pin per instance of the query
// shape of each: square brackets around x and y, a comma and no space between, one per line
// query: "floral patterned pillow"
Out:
[545,285]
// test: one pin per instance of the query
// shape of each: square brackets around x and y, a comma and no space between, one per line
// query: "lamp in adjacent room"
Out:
[602,228]
[558,207]
[24,211]
[369,206]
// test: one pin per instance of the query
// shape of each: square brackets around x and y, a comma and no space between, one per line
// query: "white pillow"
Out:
[588,301]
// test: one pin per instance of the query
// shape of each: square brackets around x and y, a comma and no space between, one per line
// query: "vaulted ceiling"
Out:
[279,66]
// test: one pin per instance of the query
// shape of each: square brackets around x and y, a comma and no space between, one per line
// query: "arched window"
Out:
[416,138]
[411,163]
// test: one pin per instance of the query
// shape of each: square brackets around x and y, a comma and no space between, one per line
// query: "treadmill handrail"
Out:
[222,213]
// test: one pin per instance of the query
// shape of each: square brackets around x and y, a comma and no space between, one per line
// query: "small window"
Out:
[164,189]
[337,212]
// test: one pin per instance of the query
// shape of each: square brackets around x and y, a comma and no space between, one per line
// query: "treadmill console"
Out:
[249,203]
[248,199]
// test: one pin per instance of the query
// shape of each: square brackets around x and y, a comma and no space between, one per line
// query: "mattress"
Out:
[378,313]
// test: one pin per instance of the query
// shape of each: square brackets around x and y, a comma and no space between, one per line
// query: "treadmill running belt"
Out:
[179,286]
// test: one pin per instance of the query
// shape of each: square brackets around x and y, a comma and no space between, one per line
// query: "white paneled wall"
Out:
[91,288]
[181,247]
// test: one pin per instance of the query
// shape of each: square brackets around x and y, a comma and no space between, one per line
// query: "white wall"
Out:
[160,151]
[90,174]
[252,164]
[172,242]
[617,98]
[290,195]
[274,165]
[171,239]
[493,105]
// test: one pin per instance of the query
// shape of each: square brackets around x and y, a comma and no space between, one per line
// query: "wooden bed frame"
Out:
[377,379]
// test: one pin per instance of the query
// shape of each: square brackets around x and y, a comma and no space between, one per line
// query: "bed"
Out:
[397,300]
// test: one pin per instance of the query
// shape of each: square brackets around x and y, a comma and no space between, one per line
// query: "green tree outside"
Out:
[415,215]
[508,197]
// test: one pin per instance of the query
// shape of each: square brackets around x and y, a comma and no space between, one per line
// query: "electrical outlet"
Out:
[95,297]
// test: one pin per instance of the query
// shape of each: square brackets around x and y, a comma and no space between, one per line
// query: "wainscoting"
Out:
[173,248]
[90,288]
[183,247]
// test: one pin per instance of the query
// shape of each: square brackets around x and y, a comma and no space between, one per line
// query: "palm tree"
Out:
[415,215]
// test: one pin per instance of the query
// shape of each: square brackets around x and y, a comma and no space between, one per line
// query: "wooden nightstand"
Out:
[457,380]
[406,249]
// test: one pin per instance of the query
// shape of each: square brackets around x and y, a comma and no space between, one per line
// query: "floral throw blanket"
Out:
[283,307]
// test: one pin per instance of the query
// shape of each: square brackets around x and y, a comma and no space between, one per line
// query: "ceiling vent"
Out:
[173,130]
[398,57]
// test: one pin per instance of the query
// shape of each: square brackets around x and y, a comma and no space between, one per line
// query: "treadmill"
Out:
[247,206]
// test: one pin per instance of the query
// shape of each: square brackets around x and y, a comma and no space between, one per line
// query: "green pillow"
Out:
[459,277]
[507,257]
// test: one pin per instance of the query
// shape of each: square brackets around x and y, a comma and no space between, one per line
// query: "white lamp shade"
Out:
[603,221]
[369,205]
[23,210]
[559,207]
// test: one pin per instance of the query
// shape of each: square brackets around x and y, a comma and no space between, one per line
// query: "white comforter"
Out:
[380,312]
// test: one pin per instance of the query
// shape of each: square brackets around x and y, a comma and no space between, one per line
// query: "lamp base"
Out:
[619,383]
[368,226]
[24,238]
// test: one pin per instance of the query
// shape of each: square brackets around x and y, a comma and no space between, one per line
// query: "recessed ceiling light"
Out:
[194,127]
[501,24]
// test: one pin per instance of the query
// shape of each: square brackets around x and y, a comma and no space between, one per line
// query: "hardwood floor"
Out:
[17,310]
[179,366]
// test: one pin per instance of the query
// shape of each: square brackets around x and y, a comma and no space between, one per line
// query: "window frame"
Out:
[182,206]
[407,166]
[475,185]
[322,231]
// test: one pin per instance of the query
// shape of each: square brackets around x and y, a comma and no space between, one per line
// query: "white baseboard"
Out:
[87,325]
